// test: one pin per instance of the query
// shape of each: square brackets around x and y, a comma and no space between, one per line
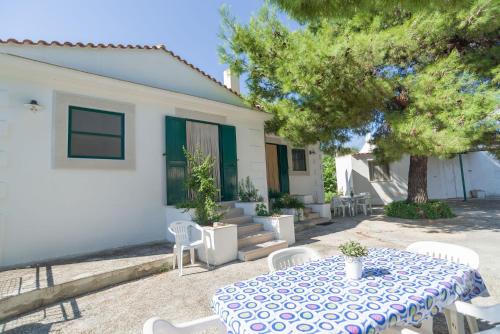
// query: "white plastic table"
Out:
[397,288]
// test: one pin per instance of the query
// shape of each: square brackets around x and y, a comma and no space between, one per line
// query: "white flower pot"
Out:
[353,267]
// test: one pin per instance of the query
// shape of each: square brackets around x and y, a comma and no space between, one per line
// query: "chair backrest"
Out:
[336,202]
[182,231]
[366,195]
[450,252]
[284,258]
[160,326]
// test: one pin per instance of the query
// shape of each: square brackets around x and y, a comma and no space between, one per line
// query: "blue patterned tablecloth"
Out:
[397,287]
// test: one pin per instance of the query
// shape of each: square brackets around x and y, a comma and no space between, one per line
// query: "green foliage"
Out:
[247,191]
[274,194]
[329,177]
[325,81]
[285,201]
[428,210]
[201,184]
[353,249]
[262,211]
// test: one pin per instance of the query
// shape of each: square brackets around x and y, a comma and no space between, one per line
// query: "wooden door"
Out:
[272,167]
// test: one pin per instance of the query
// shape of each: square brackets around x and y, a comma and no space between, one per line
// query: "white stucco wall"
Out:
[481,171]
[309,182]
[155,68]
[48,212]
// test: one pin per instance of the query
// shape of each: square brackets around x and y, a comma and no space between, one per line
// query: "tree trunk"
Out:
[417,180]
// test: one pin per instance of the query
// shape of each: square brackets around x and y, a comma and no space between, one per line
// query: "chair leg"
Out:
[175,257]
[181,262]
[455,322]
[472,324]
[191,253]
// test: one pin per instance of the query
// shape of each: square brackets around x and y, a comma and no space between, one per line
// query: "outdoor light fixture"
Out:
[33,106]
[312,152]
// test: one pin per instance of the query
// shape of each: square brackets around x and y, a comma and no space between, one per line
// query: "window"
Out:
[299,159]
[96,134]
[378,172]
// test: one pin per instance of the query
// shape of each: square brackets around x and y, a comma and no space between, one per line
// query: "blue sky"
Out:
[187,27]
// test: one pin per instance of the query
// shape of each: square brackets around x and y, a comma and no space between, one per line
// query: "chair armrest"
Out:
[487,313]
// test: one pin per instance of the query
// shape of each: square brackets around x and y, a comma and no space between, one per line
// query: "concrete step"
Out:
[238,220]
[254,238]
[249,228]
[261,250]
[233,212]
[228,204]
[307,210]
[311,215]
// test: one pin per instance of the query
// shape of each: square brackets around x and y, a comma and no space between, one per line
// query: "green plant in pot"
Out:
[202,189]
[247,192]
[353,253]
[262,211]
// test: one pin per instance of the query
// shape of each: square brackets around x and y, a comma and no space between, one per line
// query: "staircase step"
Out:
[228,204]
[312,215]
[307,210]
[254,238]
[238,220]
[248,228]
[261,250]
[233,212]
[307,224]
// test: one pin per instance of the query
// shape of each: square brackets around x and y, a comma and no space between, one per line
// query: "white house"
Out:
[360,173]
[99,162]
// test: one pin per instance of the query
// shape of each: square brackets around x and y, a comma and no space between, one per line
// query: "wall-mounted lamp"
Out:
[312,152]
[33,106]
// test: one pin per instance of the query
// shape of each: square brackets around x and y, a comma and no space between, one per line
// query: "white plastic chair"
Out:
[159,326]
[184,240]
[338,205]
[284,258]
[452,253]
[365,202]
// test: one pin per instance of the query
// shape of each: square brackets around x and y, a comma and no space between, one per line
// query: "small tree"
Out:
[329,177]
[201,184]
[247,192]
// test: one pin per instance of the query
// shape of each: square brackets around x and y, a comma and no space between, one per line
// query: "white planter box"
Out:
[282,226]
[324,210]
[173,214]
[248,207]
[222,244]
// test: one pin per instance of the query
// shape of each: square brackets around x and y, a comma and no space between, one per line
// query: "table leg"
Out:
[455,321]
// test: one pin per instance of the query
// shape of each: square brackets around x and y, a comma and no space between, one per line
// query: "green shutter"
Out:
[175,140]
[283,169]
[228,162]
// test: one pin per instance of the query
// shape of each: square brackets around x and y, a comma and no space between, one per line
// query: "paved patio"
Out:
[123,308]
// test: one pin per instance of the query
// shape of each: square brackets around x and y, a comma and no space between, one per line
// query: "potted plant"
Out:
[289,205]
[281,225]
[353,253]
[221,239]
[249,197]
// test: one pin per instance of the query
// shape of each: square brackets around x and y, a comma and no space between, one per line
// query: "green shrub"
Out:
[261,211]
[353,249]
[285,201]
[247,191]
[429,210]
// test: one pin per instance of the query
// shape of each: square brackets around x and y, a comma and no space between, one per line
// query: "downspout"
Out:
[462,173]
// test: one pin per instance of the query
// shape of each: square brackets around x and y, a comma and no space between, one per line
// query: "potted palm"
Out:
[249,197]
[353,253]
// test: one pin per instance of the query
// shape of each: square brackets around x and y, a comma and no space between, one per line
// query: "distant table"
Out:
[351,201]
[397,288]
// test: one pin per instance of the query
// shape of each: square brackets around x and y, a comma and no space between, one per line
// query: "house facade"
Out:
[389,182]
[96,165]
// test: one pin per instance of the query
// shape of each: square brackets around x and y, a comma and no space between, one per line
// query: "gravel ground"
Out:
[124,308]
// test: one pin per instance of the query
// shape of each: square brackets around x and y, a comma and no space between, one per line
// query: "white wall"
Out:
[47,212]
[309,182]
[481,171]
[155,68]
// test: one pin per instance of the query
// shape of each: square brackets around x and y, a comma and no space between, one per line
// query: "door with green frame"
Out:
[277,168]
[212,139]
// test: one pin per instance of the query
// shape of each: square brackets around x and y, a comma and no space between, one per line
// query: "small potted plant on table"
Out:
[353,253]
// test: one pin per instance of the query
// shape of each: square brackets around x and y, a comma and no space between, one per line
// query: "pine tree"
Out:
[421,76]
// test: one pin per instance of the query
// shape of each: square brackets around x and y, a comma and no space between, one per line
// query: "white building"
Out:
[360,173]
[96,167]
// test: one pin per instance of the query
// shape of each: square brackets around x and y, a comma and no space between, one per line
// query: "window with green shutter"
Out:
[176,165]
[228,163]
[283,168]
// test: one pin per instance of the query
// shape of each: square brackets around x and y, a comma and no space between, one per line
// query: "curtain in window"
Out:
[205,137]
